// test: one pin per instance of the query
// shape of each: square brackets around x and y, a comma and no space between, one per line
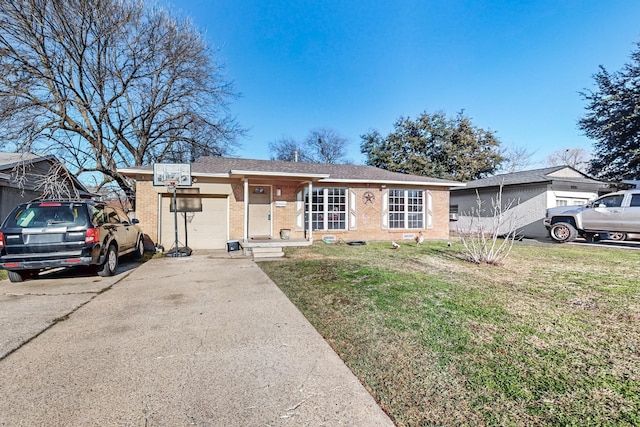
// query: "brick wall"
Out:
[147,207]
[368,223]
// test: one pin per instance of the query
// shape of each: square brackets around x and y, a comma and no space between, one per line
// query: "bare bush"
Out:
[56,182]
[489,238]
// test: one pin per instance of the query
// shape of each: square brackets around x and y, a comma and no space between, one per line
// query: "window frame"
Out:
[327,217]
[407,209]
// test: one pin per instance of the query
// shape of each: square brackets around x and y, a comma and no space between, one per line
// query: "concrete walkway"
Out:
[206,340]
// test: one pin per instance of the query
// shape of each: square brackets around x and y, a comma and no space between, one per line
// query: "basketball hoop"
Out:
[171,185]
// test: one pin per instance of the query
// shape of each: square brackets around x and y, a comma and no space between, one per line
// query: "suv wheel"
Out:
[562,232]
[17,276]
[139,252]
[21,276]
[110,263]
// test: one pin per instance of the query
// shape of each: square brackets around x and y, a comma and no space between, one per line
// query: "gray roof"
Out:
[10,160]
[322,171]
[535,176]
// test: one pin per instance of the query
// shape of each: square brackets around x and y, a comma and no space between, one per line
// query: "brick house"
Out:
[259,201]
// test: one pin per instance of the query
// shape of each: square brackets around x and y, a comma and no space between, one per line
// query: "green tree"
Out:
[613,121]
[109,84]
[436,146]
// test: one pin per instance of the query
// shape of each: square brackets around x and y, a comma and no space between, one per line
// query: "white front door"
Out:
[259,211]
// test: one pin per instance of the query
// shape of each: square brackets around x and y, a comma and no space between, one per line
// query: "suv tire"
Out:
[110,265]
[139,252]
[562,232]
[17,276]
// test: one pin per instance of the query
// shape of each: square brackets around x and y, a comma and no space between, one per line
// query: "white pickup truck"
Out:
[616,214]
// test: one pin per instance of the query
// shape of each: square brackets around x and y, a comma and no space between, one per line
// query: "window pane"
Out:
[409,201]
[328,209]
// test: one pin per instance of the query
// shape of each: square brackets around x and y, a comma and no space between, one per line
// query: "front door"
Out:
[259,211]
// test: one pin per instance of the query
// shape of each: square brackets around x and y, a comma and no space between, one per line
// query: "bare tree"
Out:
[288,150]
[488,236]
[109,84]
[326,146]
[515,159]
[577,158]
[322,145]
[54,182]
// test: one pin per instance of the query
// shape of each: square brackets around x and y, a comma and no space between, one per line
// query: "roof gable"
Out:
[535,176]
[9,162]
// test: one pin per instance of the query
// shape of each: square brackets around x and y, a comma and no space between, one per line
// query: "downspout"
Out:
[246,211]
[308,206]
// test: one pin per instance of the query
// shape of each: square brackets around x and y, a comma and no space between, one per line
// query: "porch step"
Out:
[267,252]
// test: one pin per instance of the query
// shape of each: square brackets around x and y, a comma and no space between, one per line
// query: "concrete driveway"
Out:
[29,308]
[206,340]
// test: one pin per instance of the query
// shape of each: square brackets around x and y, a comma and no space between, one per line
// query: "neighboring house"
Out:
[530,193]
[254,201]
[22,176]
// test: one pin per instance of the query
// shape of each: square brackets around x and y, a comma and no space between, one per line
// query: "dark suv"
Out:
[49,234]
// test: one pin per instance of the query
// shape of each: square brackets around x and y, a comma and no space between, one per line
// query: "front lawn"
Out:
[552,337]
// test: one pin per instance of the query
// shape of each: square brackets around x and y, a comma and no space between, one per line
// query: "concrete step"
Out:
[267,252]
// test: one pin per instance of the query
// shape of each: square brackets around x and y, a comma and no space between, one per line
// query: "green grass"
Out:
[3,274]
[551,337]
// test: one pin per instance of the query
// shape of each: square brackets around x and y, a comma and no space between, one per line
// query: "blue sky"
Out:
[515,67]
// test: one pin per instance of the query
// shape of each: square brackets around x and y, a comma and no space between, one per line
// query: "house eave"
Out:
[391,182]
[320,178]
[306,176]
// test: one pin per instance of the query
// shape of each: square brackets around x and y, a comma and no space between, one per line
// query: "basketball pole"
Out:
[175,219]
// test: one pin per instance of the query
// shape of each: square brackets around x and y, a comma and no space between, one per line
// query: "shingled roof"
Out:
[10,160]
[534,176]
[323,172]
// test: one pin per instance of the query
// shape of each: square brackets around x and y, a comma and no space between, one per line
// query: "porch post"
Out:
[246,211]
[308,206]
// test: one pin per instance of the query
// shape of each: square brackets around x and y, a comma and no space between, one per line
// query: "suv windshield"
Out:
[46,215]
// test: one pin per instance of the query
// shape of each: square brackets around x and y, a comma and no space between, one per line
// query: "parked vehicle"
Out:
[620,237]
[47,234]
[615,215]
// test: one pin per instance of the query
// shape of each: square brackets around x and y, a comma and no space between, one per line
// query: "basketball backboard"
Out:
[178,172]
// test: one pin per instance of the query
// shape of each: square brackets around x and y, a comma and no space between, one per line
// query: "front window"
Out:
[406,209]
[329,209]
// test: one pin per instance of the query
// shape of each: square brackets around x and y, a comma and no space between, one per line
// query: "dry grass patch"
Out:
[549,338]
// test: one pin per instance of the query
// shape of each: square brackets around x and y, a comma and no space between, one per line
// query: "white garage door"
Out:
[205,230]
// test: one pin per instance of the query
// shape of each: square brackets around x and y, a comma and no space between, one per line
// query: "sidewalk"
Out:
[206,340]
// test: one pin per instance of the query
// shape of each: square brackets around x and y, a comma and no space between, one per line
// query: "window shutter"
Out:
[353,223]
[299,226]
[385,210]
[429,213]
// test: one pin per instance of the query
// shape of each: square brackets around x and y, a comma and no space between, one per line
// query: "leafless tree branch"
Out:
[109,84]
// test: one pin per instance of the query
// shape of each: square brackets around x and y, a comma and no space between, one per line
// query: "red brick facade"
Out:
[286,209]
